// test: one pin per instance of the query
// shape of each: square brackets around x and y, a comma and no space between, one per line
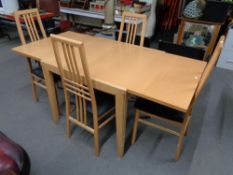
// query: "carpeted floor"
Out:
[213,155]
[29,123]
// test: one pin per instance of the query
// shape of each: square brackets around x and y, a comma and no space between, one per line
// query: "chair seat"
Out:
[39,72]
[104,102]
[159,110]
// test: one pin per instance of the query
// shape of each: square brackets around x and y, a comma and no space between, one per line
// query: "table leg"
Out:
[121,113]
[48,75]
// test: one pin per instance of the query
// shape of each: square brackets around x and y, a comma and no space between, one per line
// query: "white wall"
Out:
[9,6]
[151,19]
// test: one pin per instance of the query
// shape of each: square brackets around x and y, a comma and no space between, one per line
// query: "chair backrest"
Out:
[30,18]
[71,59]
[133,20]
[210,66]
[191,52]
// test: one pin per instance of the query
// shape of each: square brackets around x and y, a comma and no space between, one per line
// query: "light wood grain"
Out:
[126,66]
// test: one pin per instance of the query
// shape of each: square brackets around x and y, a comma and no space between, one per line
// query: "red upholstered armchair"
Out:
[13,158]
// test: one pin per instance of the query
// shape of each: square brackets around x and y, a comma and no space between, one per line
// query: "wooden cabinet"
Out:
[50,6]
[205,31]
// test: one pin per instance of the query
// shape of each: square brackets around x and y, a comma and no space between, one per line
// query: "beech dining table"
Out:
[120,69]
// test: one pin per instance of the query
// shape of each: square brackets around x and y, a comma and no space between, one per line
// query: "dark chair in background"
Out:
[13,158]
[191,52]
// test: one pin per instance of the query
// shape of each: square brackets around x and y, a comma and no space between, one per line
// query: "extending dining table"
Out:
[120,69]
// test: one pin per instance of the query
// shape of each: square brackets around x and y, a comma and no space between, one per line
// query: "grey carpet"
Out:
[214,154]
[29,124]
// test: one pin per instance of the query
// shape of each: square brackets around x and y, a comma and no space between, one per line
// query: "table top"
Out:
[164,78]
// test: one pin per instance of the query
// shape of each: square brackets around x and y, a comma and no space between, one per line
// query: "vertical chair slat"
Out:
[135,29]
[77,108]
[31,22]
[127,32]
[85,112]
[67,73]
[34,27]
[28,28]
[131,30]
[40,24]
[75,64]
[121,28]
[74,77]
[81,109]
[31,27]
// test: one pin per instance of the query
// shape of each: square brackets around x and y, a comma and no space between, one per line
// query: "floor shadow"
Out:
[107,132]
[155,144]
[140,130]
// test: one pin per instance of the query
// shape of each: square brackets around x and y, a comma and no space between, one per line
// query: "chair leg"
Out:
[96,140]
[68,113]
[186,132]
[135,127]
[34,93]
[68,127]
[187,125]
[179,146]
[56,91]
[181,137]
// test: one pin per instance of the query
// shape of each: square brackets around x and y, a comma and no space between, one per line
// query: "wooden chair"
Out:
[172,116]
[132,26]
[29,18]
[32,22]
[191,52]
[72,63]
